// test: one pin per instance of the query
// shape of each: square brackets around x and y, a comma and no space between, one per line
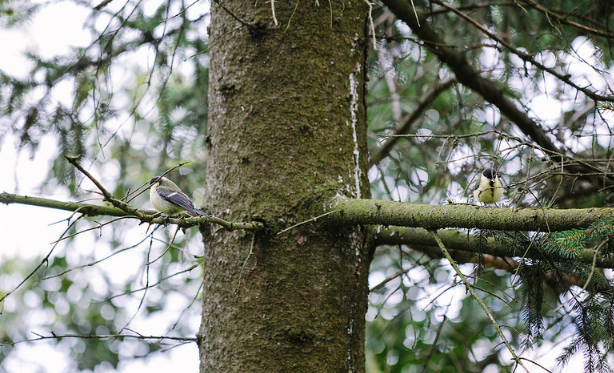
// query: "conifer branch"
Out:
[421,240]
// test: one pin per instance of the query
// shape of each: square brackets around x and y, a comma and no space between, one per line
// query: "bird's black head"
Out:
[490,173]
[153,180]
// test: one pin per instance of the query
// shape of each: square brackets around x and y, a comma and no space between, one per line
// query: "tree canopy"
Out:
[524,87]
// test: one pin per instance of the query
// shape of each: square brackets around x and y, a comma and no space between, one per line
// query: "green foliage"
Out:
[554,259]
[479,244]
[82,128]
[84,301]
[408,332]
[593,336]
[549,269]
[531,275]
[126,131]
[130,121]
[16,12]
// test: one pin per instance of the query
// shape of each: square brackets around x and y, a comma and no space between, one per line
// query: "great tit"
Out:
[489,189]
[166,197]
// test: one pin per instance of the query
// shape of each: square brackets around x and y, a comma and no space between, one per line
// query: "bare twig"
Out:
[423,104]
[107,196]
[314,219]
[42,262]
[525,56]
[475,296]
[41,337]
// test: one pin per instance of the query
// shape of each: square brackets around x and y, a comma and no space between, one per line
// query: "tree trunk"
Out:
[287,132]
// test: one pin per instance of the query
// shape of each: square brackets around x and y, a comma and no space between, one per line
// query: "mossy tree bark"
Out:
[286,133]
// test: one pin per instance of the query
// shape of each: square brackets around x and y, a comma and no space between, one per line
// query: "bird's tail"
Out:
[202,212]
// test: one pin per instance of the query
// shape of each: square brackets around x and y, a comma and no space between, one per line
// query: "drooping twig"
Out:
[42,262]
[475,296]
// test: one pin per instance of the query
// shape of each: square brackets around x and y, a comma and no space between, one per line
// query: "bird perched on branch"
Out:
[489,188]
[166,197]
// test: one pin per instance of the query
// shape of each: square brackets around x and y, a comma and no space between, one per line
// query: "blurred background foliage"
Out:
[133,104]
[420,320]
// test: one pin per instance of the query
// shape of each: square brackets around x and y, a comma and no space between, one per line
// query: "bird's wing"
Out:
[177,198]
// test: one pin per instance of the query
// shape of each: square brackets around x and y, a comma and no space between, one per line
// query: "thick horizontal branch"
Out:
[432,217]
[420,239]
[372,212]
[145,216]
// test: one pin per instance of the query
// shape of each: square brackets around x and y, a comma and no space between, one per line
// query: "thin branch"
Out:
[190,268]
[168,247]
[314,219]
[99,226]
[389,77]
[107,195]
[564,19]
[472,79]
[566,78]
[145,186]
[469,288]
[91,264]
[142,301]
[433,348]
[467,75]
[249,27]
[194,299]
[423,104]
[42,262]
[41,337]
[145,216]
[80,207]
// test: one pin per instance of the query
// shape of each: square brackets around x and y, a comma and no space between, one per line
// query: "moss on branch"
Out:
[388,213]
[460,244]
[145,216]
[80,207]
